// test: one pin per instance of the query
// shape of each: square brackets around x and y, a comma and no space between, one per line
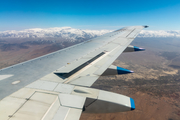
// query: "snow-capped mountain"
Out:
[57,32]
[159,33]
[75,34]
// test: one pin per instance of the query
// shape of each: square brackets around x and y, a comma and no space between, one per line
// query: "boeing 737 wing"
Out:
[56,86]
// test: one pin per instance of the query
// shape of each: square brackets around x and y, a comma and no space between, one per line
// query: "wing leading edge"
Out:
[56,86]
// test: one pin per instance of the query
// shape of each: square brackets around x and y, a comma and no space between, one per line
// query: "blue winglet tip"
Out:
[132,104]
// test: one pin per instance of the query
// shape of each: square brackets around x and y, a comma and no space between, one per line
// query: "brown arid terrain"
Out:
[16,51]
[155,90]
[154,85]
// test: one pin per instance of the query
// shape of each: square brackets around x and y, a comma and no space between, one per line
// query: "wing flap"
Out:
[36,104]
[72,101]
[88,75]
[36,107]
[84,80]
[66,113]
[8,107]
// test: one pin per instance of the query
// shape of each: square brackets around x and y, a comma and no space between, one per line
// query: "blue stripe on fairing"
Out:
[138,49]
[122,70]
[132,104]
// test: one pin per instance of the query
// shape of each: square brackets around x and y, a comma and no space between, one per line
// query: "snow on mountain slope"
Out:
[159,33]
[57,32]
[75,34]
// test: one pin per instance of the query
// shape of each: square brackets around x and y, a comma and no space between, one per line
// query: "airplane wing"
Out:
[56,86]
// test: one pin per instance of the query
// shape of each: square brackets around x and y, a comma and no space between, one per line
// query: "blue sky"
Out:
[89,14]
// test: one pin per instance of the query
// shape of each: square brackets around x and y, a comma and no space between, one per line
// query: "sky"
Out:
[89,14]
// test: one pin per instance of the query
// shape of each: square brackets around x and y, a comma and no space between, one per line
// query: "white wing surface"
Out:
[56,86]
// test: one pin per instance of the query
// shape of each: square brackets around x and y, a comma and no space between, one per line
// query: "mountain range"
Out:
[159,33]
[57,32]
[75,34]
